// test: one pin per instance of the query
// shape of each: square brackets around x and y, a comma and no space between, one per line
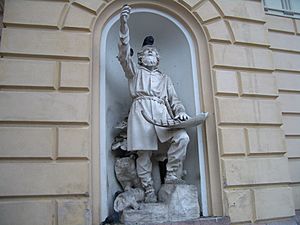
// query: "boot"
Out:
[150,196]
[172,178]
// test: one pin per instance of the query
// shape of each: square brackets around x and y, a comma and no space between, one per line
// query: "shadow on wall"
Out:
[1,17]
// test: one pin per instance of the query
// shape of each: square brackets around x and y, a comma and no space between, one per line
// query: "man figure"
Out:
[154,94]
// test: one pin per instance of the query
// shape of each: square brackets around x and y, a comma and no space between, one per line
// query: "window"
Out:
[288,8]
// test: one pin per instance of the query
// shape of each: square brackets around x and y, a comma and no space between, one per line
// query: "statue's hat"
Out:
[149,40]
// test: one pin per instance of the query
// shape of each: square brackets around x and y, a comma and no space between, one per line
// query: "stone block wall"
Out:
[252,150]
[45,109]
[45,138]
[284,41]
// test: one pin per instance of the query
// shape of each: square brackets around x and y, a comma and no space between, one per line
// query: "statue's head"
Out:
[148,56]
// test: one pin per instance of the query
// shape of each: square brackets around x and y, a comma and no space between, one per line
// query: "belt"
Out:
[153,98]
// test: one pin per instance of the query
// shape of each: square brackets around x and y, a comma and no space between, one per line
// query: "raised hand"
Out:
[125,12]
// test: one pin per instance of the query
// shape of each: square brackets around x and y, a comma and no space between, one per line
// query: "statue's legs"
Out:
[176,155]
[144,171]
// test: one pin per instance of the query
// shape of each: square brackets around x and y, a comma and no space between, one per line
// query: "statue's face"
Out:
[150,57]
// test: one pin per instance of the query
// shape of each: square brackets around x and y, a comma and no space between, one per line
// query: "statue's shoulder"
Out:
[167,77]
[161,73]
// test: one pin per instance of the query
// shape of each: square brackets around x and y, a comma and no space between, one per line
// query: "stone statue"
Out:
[156,115]
[126,173]
[153,95]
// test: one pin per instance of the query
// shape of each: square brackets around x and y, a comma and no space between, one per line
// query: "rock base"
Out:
[148,213]
[177,202]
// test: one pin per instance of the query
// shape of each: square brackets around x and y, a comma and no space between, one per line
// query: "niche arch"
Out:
[210,191]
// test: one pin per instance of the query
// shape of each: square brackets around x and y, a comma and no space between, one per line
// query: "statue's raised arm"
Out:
[125,55]
[124,30]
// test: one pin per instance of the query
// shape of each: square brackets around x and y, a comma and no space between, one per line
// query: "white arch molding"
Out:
[103,143]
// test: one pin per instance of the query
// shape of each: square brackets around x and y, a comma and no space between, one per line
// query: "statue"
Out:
[156,114]
[154,99]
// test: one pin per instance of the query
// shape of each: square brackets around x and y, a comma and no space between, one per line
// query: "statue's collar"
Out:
[154,70]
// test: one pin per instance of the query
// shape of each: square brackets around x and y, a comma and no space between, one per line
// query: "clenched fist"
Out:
[125,13]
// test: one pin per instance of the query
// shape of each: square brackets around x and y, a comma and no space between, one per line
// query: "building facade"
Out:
[54,164]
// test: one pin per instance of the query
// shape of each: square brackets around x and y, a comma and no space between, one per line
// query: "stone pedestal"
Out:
[182,201]
[146,214]
[177,202]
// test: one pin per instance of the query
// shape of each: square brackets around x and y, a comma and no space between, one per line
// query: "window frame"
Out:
[286,10]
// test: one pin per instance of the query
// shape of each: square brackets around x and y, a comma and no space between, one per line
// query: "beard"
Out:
[149,60]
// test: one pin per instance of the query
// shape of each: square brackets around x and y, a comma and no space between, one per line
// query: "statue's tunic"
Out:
[151,91]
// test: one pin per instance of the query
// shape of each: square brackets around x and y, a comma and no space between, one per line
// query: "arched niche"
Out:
[173,26]
[177,60]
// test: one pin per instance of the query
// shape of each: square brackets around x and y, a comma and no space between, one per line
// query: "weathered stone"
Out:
[125,170]
[238,205]
[217,31]
[240,56]
[28,73]
[212,220]
[44,106]
[296,195]
[23,179]
[287,81]
[294,167]
[291,124]
[182,201]
[291,221]
[129,199]
[148,213]
[93,5]
[27,142]
[286,61]
[245,32]
[33,12]
[177,203]
[292,145]
[75,75]
[189,3]
[73,142]
[233,110]
[286,42]
[226,82]
[258,84]
[297,22]
[207,11]
[79,18]
[27,212]
[251,10]
[73,212]
[273,203]
[280,24]
[287,102]
[50,42]
[266,140]
[255,171]
[233,141]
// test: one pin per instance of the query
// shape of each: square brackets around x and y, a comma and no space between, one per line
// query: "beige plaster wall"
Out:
[45,110]
[285,44]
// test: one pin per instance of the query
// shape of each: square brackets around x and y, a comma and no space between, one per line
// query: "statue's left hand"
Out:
[182,116]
